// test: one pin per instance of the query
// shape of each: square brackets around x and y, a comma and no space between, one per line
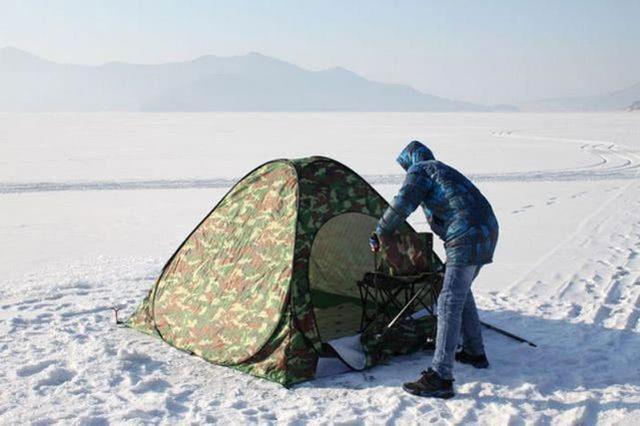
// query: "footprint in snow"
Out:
[178,403]
[153,385]
[175,407]
[522,209]
[55,377]
[136,365]
[30,370]
[54,297]
[93,421]
[578,194]
[239,405]
[149,415]
[574,311]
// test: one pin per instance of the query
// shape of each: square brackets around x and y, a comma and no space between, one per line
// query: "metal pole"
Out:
[402,311]
[375,286]
[506,333]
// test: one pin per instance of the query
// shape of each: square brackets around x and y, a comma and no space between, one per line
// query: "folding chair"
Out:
[405,283]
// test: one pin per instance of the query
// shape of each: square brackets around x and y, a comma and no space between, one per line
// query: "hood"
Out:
[414,153]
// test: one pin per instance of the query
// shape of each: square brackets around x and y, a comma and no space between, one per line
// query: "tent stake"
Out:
[115,311]
[506,333]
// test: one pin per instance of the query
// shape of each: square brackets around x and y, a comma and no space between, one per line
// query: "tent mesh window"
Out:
[340,256]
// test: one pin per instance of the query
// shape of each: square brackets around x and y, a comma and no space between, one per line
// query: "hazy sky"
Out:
[488,52]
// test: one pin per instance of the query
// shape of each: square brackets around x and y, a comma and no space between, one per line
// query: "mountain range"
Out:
[251,82]
[613,101]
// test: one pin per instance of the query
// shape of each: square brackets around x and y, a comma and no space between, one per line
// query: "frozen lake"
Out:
[75,186]
[114,147]
[92,205]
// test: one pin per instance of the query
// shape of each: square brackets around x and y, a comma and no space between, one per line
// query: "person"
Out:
[463,218]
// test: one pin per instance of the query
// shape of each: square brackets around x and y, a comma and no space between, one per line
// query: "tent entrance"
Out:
[340,256]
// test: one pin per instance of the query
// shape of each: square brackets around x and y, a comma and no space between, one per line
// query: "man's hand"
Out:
[374,242]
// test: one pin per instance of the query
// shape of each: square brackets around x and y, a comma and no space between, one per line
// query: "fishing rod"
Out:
[506,333]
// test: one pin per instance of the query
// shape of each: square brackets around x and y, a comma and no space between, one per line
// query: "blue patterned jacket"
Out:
[455,209]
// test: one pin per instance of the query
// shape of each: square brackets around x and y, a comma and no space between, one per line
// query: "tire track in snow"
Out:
[622,304]
[625,159]
[614,162]
[617,305]
[589,223]
[633,320]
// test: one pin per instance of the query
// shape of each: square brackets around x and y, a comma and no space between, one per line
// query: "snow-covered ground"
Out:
[91,205]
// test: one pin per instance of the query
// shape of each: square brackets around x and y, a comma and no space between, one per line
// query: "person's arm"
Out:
[414,190]
[435,223]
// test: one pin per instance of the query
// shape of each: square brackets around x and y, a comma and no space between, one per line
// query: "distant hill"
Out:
[504,108]
[614,101]
[251,82]
[634,106]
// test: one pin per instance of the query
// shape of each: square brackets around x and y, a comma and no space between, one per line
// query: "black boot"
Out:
[430,385]
[478,361]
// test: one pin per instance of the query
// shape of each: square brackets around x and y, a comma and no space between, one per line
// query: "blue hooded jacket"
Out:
[455,209]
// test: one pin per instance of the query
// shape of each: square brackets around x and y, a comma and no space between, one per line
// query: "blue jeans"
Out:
[456,312]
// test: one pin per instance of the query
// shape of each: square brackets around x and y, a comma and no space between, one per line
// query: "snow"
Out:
[92,205]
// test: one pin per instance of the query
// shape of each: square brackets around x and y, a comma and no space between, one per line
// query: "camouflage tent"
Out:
[270,273]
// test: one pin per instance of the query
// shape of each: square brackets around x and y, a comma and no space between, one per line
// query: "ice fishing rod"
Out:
[506,333]
[400,314]
[489,326]
[415,296]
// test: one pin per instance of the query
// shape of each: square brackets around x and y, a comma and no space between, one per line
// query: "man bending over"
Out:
[462,217]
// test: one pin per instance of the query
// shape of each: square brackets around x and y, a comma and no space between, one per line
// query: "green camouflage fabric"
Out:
[410,332]
[142,319]
[237,291]
[327,189]
[222,294]
[407,253]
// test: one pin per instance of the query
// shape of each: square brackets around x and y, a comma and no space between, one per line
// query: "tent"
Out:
[269,275]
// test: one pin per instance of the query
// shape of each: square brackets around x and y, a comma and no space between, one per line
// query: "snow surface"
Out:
[92,205]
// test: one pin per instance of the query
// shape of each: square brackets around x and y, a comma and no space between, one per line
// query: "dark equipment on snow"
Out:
[398,297]
[385,293]
[506,333]
[390,300]
[430,385]
[270,275]
[477,361]
[115,313]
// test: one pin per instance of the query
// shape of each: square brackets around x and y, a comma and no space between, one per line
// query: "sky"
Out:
[487,52]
